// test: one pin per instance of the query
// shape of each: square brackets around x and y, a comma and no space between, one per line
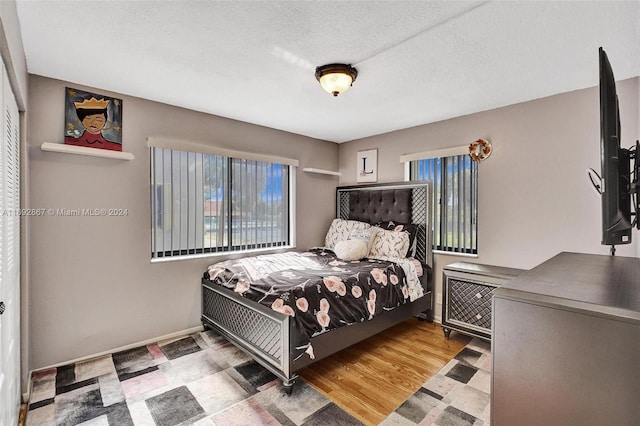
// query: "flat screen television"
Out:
[618,184]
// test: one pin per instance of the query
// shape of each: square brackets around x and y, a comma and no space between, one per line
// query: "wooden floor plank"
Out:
[372,378]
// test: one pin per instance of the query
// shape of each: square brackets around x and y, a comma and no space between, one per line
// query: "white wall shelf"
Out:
[321,171]
[82,150]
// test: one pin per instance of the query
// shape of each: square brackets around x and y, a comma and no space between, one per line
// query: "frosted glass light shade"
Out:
[336,83]
[336,78]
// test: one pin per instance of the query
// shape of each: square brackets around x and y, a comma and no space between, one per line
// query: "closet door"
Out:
[9,257]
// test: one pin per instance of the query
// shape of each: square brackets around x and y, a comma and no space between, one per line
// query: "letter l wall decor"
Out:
[367,166]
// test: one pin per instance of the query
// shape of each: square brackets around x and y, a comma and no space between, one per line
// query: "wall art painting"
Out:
[92,120]
[367,166]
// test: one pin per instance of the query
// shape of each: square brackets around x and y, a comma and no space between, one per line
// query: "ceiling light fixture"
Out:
[336,78]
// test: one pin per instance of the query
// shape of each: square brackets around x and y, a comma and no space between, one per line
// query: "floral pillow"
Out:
[340,229]
[390,244]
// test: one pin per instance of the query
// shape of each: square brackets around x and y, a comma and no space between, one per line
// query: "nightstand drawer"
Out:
[467,297]
[470,303]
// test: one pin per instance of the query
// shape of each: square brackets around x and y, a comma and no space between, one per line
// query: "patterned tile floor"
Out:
[200,379]
[458,395]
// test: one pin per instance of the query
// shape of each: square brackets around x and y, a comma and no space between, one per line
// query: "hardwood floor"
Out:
[372,378]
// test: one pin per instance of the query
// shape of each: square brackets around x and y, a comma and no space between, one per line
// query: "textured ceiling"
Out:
[418,62]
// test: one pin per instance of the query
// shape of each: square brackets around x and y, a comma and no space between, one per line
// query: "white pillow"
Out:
[340,229]
[351,249]
[367,235]
[390,244]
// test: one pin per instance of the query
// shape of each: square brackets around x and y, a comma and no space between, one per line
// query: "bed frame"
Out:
[264,333]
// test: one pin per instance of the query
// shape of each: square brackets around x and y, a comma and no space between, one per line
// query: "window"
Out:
[204,203]
[455,209]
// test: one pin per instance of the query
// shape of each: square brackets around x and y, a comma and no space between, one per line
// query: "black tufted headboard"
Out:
[405,202]
[380,205]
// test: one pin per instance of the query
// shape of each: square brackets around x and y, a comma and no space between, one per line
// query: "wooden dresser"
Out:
[566,343]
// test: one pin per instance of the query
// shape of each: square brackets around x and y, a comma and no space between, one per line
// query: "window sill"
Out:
[225,254]
[453,253]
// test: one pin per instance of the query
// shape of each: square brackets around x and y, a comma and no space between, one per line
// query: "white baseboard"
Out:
[438,308]
[25,396]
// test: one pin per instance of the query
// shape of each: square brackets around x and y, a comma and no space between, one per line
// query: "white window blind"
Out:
[204,203]
[455,209]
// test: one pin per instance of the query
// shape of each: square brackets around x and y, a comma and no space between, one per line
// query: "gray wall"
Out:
[535,199]
[93,287]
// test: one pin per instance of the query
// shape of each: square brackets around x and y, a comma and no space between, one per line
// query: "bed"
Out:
[288,310]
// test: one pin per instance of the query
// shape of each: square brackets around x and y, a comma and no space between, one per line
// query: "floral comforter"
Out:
[319,291]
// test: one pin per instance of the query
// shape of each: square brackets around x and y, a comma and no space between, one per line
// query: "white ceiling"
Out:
[418,61]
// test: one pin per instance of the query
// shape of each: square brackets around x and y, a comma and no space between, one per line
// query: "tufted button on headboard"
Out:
[381,205]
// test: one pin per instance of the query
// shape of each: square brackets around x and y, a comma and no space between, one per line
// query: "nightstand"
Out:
[467,292]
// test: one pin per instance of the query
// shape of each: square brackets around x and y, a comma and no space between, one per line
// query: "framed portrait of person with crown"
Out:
[92,120]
